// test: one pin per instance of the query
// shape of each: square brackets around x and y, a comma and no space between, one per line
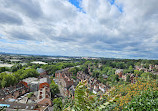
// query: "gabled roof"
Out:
[40,70]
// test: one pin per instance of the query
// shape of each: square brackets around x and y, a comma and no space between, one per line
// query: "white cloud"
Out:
[123,29]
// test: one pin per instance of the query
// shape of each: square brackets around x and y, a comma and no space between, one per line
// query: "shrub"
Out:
[147,101]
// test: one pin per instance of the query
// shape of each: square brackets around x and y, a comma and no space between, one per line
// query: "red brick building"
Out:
[44,94]
[13,91]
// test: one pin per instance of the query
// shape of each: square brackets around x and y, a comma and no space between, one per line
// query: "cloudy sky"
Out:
[101,28]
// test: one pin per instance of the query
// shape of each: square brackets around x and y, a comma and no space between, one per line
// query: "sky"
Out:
[98,28]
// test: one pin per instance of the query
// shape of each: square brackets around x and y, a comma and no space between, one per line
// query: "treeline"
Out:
[7,79]
[19,72]
[51,69]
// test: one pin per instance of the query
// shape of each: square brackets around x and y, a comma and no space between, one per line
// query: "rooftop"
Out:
[40,70]
[43,80]
[6,65]
[38,62]
[18,105]
[30,79]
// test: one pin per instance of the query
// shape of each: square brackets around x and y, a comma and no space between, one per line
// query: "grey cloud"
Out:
[21,35]
[63,39]
[10,18]
[30,8]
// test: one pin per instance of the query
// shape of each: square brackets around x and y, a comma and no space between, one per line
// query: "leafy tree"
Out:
[136,72]
[57,104]
[74,70]
[147,75]
[3,83]
[7,80]
[54,89]
[16,67]
[131,69]
[96,73]
[2,69]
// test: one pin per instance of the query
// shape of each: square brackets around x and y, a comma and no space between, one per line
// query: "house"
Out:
[13,91]
[132,78]
[66,81]
[96,89]
[70,92]
[42,72]
[156,66]
[105,77]
[119,72]
[93,84]
[64,77]
[124,77]
[103,87]
[137,67]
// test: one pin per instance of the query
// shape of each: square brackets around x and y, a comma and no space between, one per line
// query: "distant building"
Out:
[119,72]
[38,62]
[151,67]
[42,72]
[124,77]
[6,65]
[1,62]
[15,60]
[105,76]
[132,78]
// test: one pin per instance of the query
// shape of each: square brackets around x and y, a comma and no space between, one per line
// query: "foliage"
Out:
[128,92]
[148,75]
[51,69]
[136,72]
[16,67]
[10,79]
[54,88]
[30,95]
[57,104]
[74,70]
[2,69]
[147,101]
[121,97]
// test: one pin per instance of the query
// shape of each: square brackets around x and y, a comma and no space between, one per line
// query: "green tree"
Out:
[131,69]
[57,104]
[136,72]
[54,89]
[2,69]
[74,70]
[3,83]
